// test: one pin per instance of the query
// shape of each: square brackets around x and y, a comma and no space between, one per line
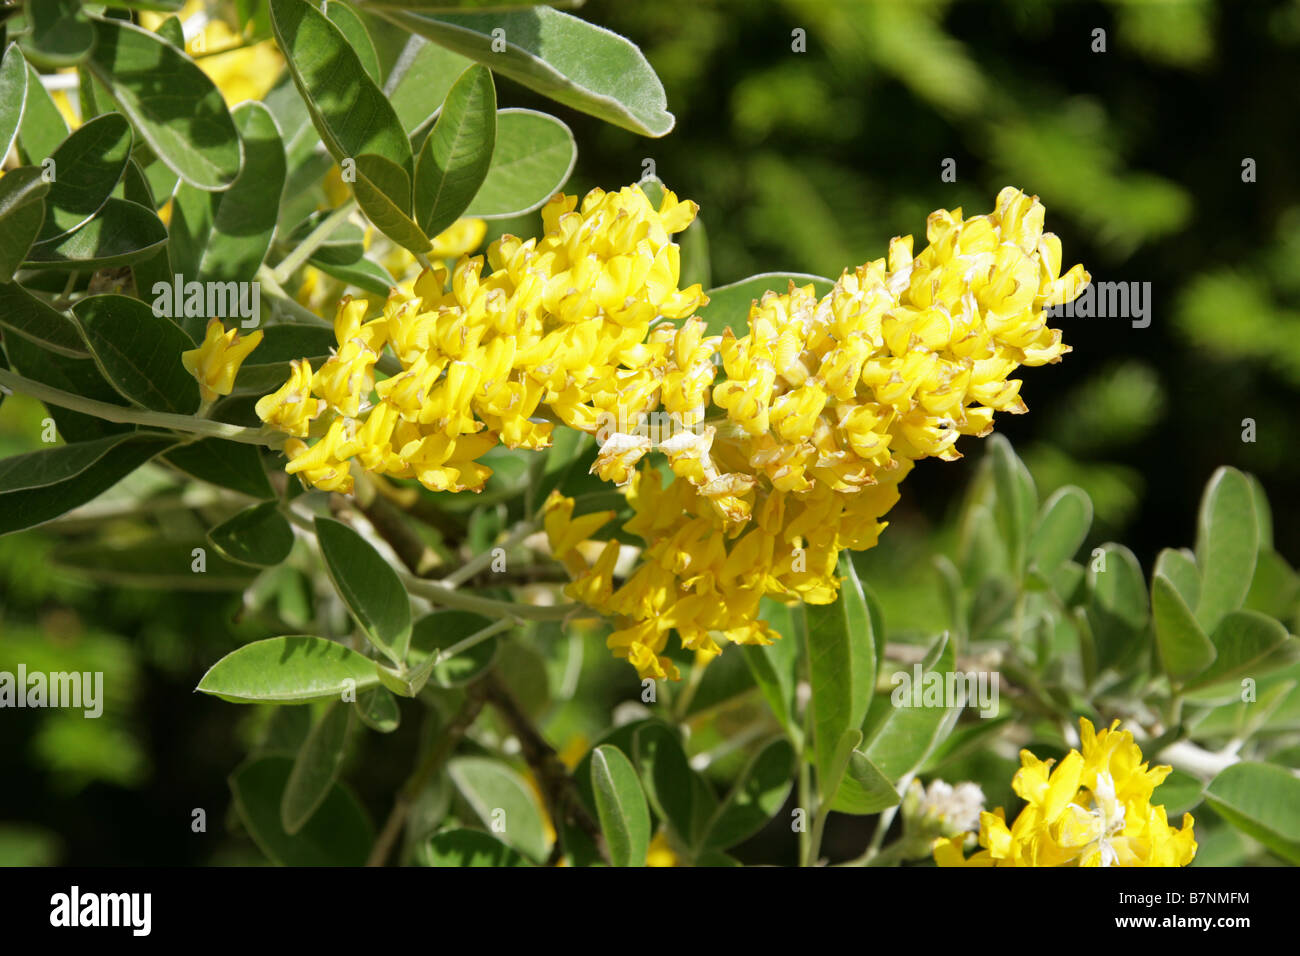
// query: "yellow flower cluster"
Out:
[555,330]
[792,456]
[1093,809]
[825,405]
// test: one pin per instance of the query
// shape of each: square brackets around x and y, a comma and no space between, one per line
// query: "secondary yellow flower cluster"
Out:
[825,406]
[556,329]
[1093,809]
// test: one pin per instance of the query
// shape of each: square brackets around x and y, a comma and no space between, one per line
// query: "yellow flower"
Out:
[459,239]
[660,852]
[1092,809]
[292,409]
[790,456]
[216,362]
[536,330]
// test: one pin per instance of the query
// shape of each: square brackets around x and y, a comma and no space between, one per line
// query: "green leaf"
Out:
[122,233]
[362,272]
[1118,608]
[532,160]
[621,806]
[1180,569]
[560,56]
[41,485]
[315,768]
[1263,802]
[841,665]
[354,30]
[1061,528]
[671,784]
[13,96]
[226,464]
[773,666]
[467,848]
[230,232]
[170,101]
[1016,499]
[865,789]
[696,266]
[369,587]
[172,31]
[378,710]
[903,738]
[349,111]
[1180,792]
[729,305]
[1243,641]
[259,535]
[289,670]
[86,169]
[1227,545]
[441,629]
[22,211]
[454,160]
[60,33]
[1185,651]
[1274,588]
[1263,513]
[139,352]
[758,793]
[43,127]
[338,834]
[501,798]
[383,190]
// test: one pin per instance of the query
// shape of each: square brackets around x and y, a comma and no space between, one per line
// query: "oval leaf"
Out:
[315,768]
[758,793]
[1262,801]
[259,535]
[13,96]
[1061,528]
[455,157]
[22,212]
[369,587]
[1185,651]
[841,666]
[288,670]
[85,170]
[122,233]
[175,106]
[338,834]
[349,111]
[620,806]
[139,352]
[532,160]
[41,485]
[560,56]
[1227,545]
[501,798]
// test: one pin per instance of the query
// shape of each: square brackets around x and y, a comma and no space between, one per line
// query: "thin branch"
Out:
[423,773]
[553,777]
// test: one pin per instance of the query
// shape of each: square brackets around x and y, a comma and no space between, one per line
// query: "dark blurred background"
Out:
[810,162]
